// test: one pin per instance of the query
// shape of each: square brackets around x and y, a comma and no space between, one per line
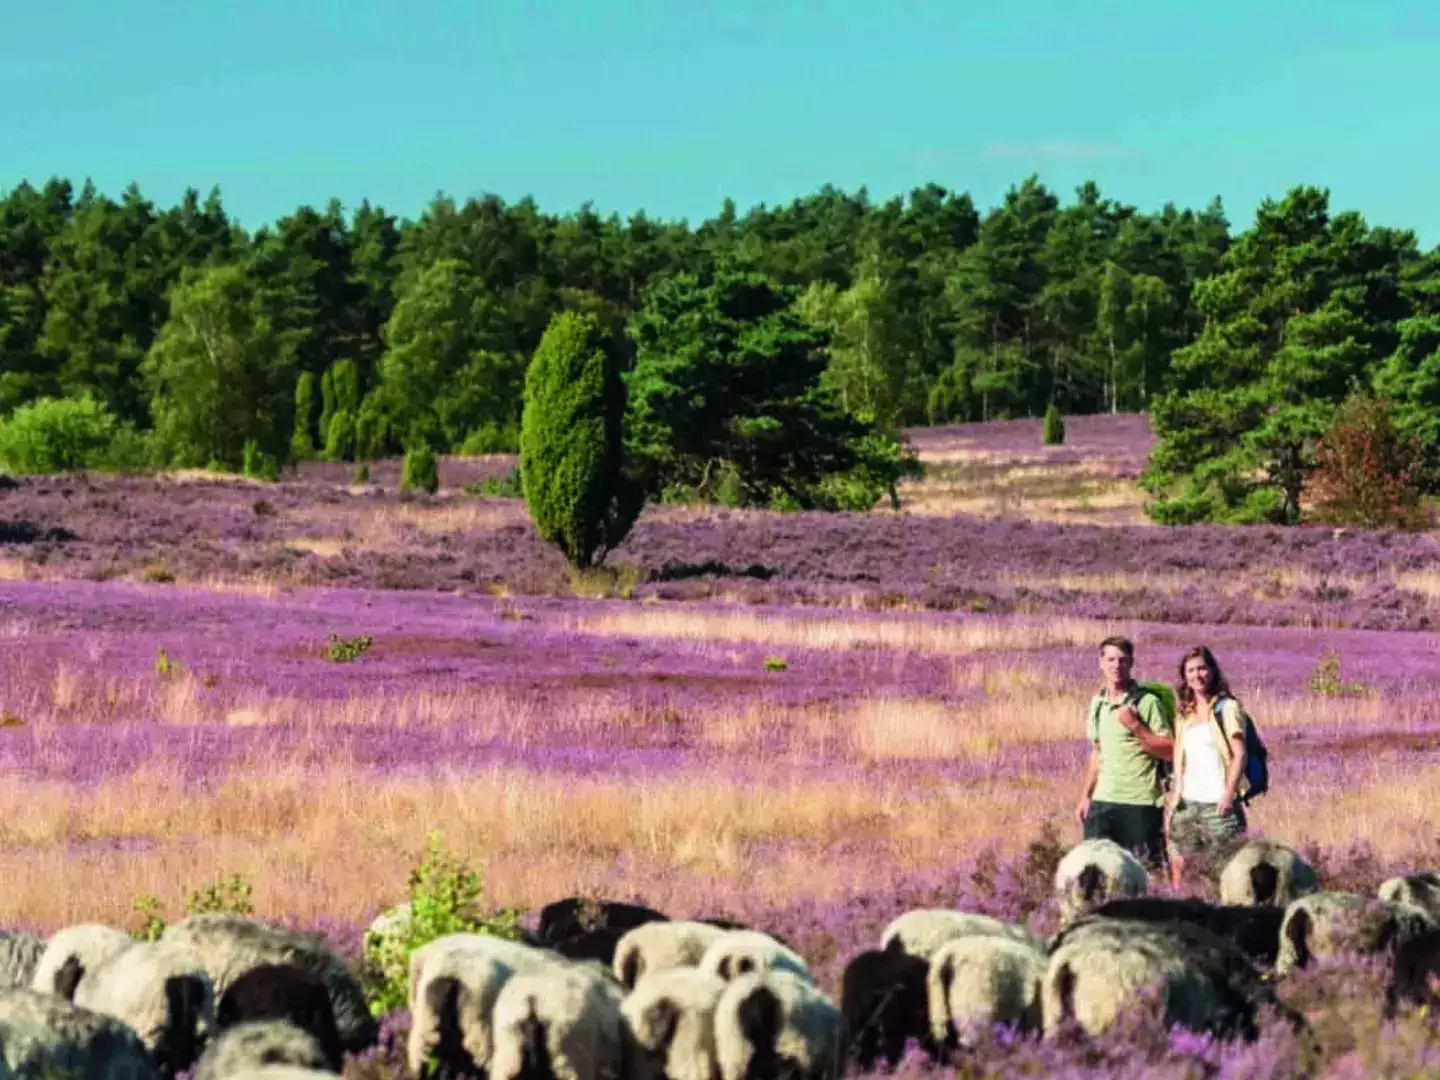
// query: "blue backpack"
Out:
[1257,757]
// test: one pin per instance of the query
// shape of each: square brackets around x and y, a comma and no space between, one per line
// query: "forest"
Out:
[172,336]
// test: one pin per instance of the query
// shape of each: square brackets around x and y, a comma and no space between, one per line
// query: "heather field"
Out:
[808,723]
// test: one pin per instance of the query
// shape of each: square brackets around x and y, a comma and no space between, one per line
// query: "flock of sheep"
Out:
[611,991]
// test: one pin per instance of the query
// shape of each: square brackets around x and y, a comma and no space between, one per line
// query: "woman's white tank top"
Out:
[1204,767]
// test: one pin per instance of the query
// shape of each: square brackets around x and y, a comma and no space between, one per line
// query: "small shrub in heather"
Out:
[344,650]
[259,465]
[1325,680]
[1054,432]
[445,898]
[422,471]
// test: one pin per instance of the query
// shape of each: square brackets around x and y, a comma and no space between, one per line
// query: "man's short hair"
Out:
[1121,643]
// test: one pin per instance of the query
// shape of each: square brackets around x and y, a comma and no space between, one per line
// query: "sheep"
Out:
[670,1017]
[162,992]
[20,953]
[739,952]
[1266,872]
[774,1024]
[920,933]
[882,1001]
[1254,930]
[1421,891]
[42,1034]
[660,945]
[73,950]
[569,918]
[230,945]
[278,1072]
[454,982]
[259,1043]
[1415,978]
[1099,968]
[1324,924]
[1094,872]
[562,1023]
[273,992]
[978,982]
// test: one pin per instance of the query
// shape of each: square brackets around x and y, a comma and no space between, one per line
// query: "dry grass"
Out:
[983,485]
[957,637]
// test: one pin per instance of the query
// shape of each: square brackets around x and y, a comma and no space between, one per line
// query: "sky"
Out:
[671,105]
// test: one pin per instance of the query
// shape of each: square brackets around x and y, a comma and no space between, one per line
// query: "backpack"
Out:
[1257,756]
[1166,696]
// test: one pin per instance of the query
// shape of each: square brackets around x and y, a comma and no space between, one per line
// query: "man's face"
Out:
[1115,666]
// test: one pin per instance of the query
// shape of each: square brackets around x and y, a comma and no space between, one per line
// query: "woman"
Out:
[1203,811]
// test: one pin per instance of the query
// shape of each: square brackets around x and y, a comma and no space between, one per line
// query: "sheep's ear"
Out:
[759,1017]
[1092,883]
[723,968]
[664,1018]
[68,978]
[1264,882]
[631,969]
[1065,991]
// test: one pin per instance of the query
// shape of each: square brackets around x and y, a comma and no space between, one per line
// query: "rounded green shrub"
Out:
[1054,433]
[422,470]
[572,471]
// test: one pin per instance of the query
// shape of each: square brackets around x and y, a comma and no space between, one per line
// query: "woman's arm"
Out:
[1177,779]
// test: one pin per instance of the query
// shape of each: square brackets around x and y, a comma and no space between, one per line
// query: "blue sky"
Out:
[669,105]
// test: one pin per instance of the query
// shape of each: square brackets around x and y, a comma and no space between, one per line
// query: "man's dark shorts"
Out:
[1140,829]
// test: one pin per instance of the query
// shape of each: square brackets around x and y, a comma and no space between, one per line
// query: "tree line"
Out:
[810,333]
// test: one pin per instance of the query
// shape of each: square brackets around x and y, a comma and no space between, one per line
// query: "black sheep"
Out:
[883,1002]
[564,920]
[1416,977]
[283,992]
[1254,930]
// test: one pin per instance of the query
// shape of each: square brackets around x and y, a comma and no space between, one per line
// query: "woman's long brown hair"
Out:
[1218,687]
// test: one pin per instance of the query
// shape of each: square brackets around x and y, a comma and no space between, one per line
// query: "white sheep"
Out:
[560,1023]
[659,945]
[20,954]
[980,981]
[162,993]
[42,1034]
[1100,967]
[257,1044]
[741,952]
[1265,872]
[1421,891]
[1326,924]
[278,1072]
[1094,872]
[74,950]
[454,982]
[775,1024]
[671,1018]
[921,932]
[231,945]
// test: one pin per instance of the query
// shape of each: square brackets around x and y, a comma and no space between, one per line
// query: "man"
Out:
[1123,797]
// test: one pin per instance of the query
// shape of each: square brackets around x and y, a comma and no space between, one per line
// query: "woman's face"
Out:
[1197,674]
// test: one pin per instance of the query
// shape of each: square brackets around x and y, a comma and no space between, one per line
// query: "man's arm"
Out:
[1156,743]
[1092,775]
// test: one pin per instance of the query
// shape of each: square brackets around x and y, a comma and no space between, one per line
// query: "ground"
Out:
[809,722]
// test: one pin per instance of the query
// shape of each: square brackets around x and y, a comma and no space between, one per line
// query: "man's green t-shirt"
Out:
[1128,775]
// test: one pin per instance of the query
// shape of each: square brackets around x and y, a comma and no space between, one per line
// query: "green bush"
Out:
[302,442]
[572,471]
[344,650]
[422,471]
[362,473]
[445,898]
[51,435]
[258,464]
[506,486]
[491,439]
[1054,433]
[340,436]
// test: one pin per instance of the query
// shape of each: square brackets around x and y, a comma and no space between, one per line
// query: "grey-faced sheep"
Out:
[741,952]
[161,991]
[659,945]
[73,950]
[1421,891]
[1266,872]
[1415,978]
[883,1002]
[670,1016]
[1325,924]
[562,1023]
[259,1043]
[922,932]
[1095,872]
[20,954]
[1100,968]
[42,1034]
[773,1025]
[454,983]
[1254,930]
[274,992]
[978,982]
[231,945]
